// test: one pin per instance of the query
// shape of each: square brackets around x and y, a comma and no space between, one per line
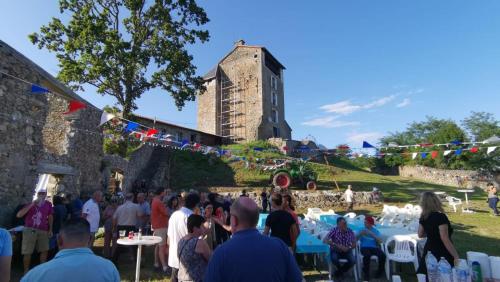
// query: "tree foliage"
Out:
[481,126]
[127,47]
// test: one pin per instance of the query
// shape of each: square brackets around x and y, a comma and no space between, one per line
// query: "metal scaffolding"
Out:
[232,109]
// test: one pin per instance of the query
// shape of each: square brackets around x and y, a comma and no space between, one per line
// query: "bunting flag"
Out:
[434,154]
[474,149]
[74,106]
[38,89]
[105,117]
[456,142]
[131,126]
[426,145]
[151,132]
[367,145]
[197,146]
[414,155]
[285,148]
[458,152]
[490,149]
[424,155]
[258,149]
[447,152]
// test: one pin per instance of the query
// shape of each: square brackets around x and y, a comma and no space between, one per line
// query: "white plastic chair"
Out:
[359,257]
[354,268]
[413,226]
[417,211]
[400,248]
[350,215]
[454,202]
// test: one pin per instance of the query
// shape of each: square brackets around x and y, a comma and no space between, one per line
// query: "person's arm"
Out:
[6,257]
[203,249]
[294,234]
[421,231]
[266,230]
[443,234]
[374,236]
[25,210]
[221,223]
[51,223]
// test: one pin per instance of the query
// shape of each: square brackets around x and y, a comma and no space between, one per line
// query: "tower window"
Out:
[274,116]
[274,98]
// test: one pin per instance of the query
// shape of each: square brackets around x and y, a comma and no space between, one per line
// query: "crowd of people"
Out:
[205,237]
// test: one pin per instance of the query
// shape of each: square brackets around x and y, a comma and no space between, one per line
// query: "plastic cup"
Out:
[122,233]
[421,277]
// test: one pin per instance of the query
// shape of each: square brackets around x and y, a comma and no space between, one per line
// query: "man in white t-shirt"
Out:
[177,228]
[90,212]
[349,197]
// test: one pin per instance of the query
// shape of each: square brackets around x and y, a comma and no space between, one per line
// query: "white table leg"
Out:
[138,263]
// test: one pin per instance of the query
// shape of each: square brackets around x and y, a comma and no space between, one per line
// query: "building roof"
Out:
[173,125]
[66,91]
[213,71]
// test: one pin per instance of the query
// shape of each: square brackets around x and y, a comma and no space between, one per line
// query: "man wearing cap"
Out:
[370,240]
[37,228]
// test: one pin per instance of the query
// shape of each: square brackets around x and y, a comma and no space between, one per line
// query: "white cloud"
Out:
[358,138]
[404,103]
[329,122]
[346,107]
[343,108]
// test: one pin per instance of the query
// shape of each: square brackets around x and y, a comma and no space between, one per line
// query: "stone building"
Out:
[37,138]
[244,100]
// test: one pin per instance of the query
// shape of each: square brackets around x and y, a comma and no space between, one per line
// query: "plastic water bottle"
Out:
[432,267]
[140,234]
[477,275]
[462,272]
[444,269]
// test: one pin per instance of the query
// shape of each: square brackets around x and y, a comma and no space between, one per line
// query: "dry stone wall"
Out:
[456,178]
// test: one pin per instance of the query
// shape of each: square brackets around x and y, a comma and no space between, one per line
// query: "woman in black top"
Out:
[434,225]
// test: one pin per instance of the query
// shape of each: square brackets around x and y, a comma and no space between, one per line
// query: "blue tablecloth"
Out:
[262,220]
[307,244]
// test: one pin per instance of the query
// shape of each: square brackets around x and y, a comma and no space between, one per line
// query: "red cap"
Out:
[370,220]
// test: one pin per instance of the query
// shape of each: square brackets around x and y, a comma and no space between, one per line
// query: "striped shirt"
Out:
[342,238]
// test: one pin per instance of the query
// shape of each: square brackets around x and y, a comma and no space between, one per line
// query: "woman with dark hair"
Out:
[173,204]
[492,198]
[193,252]
[289,207]
[434,225]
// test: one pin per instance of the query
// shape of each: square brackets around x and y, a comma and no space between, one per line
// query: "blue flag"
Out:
[456,142]
[424,155]
[458,152]
[367,145]
[258,149]
[38,89]
[131,126]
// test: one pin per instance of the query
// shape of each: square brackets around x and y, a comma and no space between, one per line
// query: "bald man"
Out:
[248,255]
[90,212]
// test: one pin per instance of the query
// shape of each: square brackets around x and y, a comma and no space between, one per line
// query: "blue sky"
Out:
[355,69]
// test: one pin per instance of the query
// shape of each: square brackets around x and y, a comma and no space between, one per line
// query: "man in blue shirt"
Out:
[248,255]
[369,239]
[5,255]
[74,262]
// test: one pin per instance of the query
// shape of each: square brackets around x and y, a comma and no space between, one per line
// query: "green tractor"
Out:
[294,172]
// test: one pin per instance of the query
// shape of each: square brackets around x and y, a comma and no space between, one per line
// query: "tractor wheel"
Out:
[282,180]
[311,185]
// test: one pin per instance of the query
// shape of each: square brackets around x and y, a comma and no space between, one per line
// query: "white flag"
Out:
[105,117]
[414,155]
[490,149]
[447,152]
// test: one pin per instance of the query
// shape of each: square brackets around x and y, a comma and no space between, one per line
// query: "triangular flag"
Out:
[424,155]
[434,154]
[151,132]
[367,145]
[258,149]
[131,126]
[458,152]
[456,142]
[490,149]
[38,89]
[425,144]
[74,106]
[414,155]
[447,152]
[105,117]
[285,148]
[474,149]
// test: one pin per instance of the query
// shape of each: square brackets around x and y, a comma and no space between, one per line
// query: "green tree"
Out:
[127,47]
[481,125]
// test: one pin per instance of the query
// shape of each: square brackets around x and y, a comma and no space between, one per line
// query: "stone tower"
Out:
[244,100]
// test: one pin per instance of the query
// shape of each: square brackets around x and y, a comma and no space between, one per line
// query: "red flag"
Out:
[434,154]
[151,132]
[425,144]
[285,148]
[74,106]
[197,146]
[474,149]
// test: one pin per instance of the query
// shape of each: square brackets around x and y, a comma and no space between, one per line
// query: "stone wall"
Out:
[36,137]
[306,199]
[456,178]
